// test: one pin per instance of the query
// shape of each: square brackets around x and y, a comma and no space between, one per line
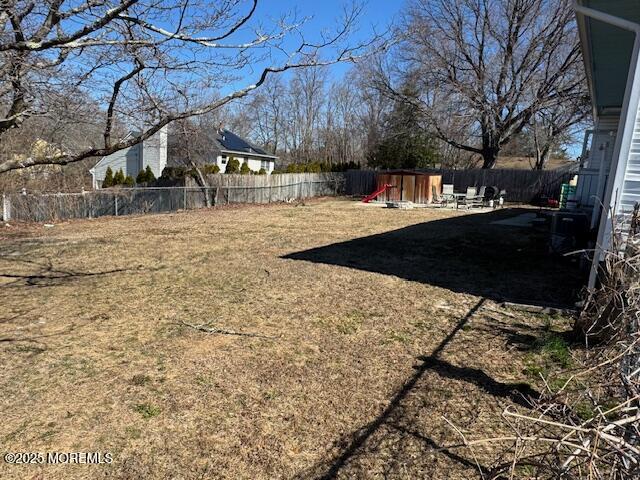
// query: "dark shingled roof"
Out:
[219,141]
[230,141]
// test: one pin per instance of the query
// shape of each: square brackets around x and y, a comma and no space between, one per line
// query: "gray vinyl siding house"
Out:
[151,152]
[609,178]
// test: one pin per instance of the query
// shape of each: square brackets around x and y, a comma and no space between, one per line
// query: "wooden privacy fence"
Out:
[360,182]
[221,190]
[284,187]
[523,186]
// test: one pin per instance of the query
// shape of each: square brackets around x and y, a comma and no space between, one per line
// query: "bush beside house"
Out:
[108,178]
[118,178]
[233,166]
[145,176]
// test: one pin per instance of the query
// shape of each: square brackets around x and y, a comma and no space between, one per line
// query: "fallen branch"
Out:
[215,330]
[523,307]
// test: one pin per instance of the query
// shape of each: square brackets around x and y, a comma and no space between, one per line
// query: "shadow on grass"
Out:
[45,274]
[518,393]
[394,426]
[465,254]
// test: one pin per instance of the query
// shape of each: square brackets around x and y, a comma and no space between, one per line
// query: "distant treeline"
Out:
[318,167]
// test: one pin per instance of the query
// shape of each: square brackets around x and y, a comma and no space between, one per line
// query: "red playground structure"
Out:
[380,190]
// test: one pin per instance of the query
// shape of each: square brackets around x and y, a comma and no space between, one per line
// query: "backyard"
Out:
[319,340]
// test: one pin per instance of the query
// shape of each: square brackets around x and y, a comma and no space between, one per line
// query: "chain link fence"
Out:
[41,207]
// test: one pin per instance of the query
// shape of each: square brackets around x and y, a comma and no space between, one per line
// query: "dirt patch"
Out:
[362,363]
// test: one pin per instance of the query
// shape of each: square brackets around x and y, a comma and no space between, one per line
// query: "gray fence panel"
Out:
[221,190]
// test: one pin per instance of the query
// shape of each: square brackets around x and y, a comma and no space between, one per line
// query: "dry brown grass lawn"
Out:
[373,341]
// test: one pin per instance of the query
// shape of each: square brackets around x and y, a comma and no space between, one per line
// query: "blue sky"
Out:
[377,14]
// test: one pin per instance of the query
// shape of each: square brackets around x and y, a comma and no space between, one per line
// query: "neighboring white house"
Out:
[225,145]
[151,152]
[610,170]
[231,146]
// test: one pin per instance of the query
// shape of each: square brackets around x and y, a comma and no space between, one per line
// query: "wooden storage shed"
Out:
[410,186]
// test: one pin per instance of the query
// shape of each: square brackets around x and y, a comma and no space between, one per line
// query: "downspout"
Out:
[623,142]
[585,146]
[598,203]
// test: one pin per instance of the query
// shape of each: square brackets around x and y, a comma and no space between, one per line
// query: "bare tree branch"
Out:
[496,64]
[147,63]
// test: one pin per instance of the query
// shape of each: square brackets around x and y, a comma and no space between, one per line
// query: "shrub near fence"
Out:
[524,186]
[222,190]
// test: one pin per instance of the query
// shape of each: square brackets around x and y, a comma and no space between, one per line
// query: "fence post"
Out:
[115,198]
[6,208]
[185,197]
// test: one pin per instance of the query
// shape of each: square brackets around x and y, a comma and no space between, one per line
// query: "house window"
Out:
[224,159]
[264,164]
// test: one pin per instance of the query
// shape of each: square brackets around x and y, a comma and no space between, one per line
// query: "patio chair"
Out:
[436,198]
[481,192]
[447,194]
[473,198]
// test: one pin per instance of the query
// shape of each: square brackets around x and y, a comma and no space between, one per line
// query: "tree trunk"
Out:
[542,153]
[201,179]
[490,144]
[542,157]
[489,156]
[203,184]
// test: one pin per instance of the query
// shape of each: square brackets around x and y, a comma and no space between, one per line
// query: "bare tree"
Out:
[192,144]
[306,101]
[492,65]
[553,127]
[342,132]
[147,63]
[309,119]
[374,107]
[266,111]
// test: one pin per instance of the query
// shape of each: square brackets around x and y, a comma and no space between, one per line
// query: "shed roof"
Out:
[407,172]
